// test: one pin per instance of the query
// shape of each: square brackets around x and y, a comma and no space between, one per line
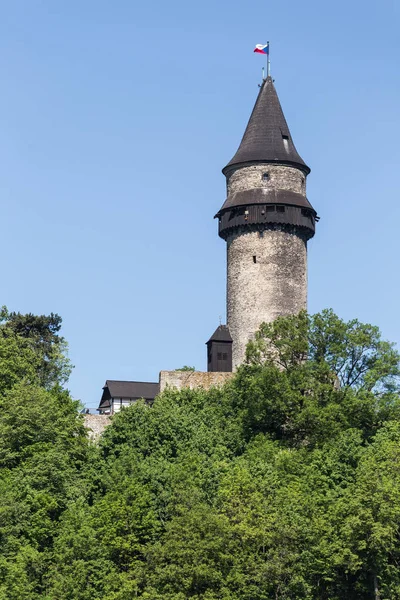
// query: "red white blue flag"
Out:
[262,49]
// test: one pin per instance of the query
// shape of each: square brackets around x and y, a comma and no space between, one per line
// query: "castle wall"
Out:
[274,285]
[96,424]
[192,379]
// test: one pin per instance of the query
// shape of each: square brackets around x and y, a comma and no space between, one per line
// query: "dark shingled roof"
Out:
[127,389]
[263,140]
[265,196]
[221,334]
[132,389]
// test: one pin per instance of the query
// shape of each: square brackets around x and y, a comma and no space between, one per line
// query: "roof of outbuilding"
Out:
[221,334]
[263,140]
[132,389]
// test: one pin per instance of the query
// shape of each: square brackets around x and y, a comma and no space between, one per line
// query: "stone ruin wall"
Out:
[192,379]
[96,424]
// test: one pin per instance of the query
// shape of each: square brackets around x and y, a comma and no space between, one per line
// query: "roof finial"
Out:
[220,319]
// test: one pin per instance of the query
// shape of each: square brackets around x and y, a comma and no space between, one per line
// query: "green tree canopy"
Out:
[284,484]
[310,377]
[42,351]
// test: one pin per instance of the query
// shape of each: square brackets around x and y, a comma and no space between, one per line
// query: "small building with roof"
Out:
[119,394]
[219,351]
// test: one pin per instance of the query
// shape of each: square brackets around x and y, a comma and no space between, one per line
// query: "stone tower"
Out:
[266,222]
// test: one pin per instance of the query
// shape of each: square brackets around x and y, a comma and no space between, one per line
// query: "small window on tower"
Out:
[224,356]
[280,209]
[286,142]
[269,208]
[219,356]
[265,176]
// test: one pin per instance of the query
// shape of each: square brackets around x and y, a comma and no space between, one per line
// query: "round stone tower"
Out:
[266,222]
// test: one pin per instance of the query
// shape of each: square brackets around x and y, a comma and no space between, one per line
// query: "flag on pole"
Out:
[262,49]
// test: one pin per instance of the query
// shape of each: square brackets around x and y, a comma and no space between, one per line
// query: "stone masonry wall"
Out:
[280,177]
[274,285]
[266,270]
[96,424]
[192,379]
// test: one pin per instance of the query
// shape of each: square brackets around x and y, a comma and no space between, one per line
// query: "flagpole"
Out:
[268,63]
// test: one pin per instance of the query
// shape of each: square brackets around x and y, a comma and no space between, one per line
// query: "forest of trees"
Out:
[284,484]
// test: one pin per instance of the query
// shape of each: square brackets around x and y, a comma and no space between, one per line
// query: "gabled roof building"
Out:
[119,394]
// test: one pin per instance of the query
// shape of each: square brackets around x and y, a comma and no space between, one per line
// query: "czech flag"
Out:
[262,49]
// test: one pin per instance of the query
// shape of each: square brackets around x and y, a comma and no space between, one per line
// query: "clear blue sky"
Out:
[115,121]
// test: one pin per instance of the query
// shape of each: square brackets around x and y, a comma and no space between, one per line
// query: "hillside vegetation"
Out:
[284,484]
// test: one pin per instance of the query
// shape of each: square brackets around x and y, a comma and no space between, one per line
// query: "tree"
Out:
[352,353]
[43,449]
[282,484]
[40,333]
[18,361]
[310,377]
[43,453]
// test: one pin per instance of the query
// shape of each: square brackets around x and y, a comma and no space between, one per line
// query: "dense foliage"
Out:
[285,484]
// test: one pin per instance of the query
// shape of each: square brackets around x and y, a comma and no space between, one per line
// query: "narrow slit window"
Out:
[265,176]
[254,259]
[286,142]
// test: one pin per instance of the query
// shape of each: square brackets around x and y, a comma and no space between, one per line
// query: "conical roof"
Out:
[267,137]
